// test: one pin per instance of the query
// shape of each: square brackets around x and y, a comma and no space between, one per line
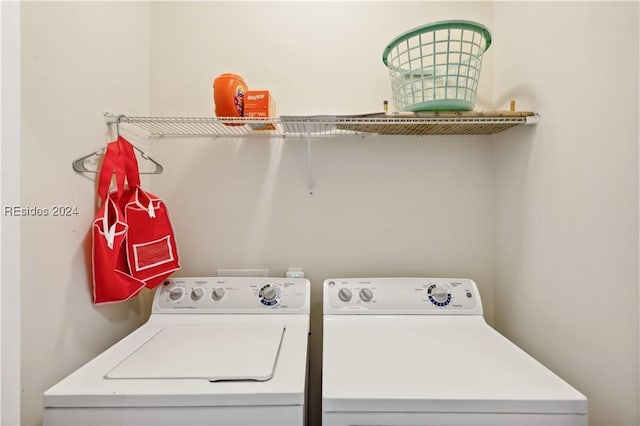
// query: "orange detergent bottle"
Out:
[228,95]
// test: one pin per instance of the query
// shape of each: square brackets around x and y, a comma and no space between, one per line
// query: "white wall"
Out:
[315,58]
[77,59]
[10,226]
[383,206]
[567,195]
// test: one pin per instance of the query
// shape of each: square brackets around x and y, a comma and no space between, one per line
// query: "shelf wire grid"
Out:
[453,123]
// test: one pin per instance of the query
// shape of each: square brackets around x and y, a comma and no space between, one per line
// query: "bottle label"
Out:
[238,100]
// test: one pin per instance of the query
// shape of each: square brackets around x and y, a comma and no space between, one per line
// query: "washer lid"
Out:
[231,352]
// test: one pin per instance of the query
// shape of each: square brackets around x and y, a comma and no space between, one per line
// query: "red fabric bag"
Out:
[152,251]
[133,241]
[151,245]
[112,281]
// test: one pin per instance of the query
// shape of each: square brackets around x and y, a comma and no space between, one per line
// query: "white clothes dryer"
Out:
[215,351]
[418,352]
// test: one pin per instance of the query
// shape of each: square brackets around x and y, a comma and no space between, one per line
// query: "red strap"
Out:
[111,164]
[119,159]
[130,162]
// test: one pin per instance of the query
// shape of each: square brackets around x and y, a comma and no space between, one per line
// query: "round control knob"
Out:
[197,293]
[439,294]
[269,292]
[176,293]
[366,294]
[217,293]
[269,295]
[344,294]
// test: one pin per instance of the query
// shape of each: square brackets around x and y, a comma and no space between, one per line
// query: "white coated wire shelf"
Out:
[422,123]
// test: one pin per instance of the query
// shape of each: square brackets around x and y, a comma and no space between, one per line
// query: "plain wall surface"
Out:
[10,225]
[567,196]
[77,59]
[544,218]
[315,57]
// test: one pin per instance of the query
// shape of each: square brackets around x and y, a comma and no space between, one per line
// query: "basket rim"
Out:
[449,23]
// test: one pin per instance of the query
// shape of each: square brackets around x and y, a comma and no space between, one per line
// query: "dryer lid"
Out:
[232,352]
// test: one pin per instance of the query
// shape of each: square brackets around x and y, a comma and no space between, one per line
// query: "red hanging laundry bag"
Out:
[152,251]
[133,241]
[112,281]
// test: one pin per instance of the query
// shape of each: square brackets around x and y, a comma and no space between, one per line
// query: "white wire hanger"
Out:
[79,164]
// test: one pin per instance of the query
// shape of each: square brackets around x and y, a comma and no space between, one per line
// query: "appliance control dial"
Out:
[217,293]
[176,293]
[344,294]
[439,295]
[197,293]
[269,294]
[366,294]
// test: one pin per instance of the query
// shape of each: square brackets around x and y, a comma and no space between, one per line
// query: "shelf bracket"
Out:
[532,119]
[310,181]
[112,119]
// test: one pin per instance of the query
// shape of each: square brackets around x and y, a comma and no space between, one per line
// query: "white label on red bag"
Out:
[153,253]
[109,229]
[152,211]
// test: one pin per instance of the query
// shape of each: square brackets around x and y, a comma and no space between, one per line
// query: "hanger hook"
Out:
[118,125]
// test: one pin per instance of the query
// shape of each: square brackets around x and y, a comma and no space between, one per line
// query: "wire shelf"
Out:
[421,123]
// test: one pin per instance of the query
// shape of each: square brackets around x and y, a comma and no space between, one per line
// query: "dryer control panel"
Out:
[253,295]
[397,296]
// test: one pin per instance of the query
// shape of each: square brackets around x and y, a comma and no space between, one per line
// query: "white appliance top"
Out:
[245,345]
[430,352]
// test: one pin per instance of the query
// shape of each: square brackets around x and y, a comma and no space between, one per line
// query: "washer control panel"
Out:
[232,295]
[401,296]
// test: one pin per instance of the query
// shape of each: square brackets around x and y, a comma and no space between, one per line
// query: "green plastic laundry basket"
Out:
[436,67]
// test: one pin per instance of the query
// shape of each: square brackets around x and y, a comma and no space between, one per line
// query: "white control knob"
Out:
[439,294]
[269,295]
[217,294]
[269,292]
[176,293]
[344,294]
[197,293]
[366,294]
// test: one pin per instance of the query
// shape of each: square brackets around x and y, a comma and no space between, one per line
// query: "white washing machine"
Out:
[215,351]
[417,351]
